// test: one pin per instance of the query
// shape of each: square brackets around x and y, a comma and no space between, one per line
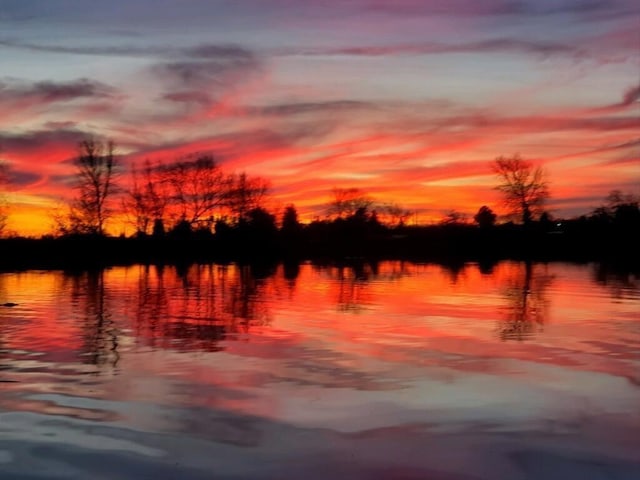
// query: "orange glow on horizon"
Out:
[414,117]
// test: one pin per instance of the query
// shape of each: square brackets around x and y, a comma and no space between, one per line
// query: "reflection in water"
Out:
[90,298]
[389,370]
[198,307]
[621,282]
[353,294]
[527,303]
[352,282]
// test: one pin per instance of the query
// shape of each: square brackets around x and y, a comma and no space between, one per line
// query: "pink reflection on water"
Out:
[365,354]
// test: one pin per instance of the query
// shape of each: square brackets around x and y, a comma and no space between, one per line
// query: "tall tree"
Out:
[246,194]
[454,217]
[197,188]
[622,209]
[4,180]
[396,215]
[523,186]
[96,170]
[290,222]
[485,217]
[147,198]
[347,201]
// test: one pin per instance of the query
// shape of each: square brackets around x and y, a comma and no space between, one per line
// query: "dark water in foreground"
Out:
[401,371]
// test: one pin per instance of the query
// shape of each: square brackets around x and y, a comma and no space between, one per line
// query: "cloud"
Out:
[629,98]
[631,95]
[188,96]
[36,156]
[224,146]
[588,9]
[117,51]
[200,76]
[218,52]
[50,92]
[443,7]
[202,51]
[208,65]
[507,45]
[23,178]
[206,76]
[68,125]
[20,101]
[233,54]
[521,8]
[286,109]
[37,142]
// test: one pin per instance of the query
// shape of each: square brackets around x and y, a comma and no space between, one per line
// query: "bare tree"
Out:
[197,188]
[454,217]
[396,215]
[619,208]
[147,198]
[347,201]
[523,186]
[4,180]
[245,194]
[616,199]
[96,169]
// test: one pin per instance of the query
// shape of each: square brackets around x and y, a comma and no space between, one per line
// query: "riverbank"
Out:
[438,244]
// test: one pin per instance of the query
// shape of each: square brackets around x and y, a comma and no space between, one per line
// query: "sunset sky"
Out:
[409,100]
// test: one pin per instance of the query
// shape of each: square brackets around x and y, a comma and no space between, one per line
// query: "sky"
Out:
[408,100]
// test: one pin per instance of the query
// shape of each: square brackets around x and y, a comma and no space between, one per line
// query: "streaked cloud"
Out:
[631,95]
[408,100]
[301,108]
[50,92]
[497,45]
[501,7]
[33,142]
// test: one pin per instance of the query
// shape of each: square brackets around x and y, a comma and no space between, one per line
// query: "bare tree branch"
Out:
[96,166]
[523,186]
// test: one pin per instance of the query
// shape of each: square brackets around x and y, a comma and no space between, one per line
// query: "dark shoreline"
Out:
[449,245]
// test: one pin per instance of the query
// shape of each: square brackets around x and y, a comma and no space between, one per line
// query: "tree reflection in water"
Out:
[621,282]
[351,282]
[197,307]
[290,272]
[527,304]
[99,333]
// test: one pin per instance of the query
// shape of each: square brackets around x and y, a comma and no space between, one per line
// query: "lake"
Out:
[393,370]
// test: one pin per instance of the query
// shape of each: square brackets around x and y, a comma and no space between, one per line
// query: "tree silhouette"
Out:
[192,192]
[347,201]
[290,222]
[396,215]
[527,303]
[197,188]
[96,169]
[522,185]
[100,335]
[261,222]
[453,217]
[4,180]
[147,199]
[485,217]
[623,208]
[620,211]
[245,194]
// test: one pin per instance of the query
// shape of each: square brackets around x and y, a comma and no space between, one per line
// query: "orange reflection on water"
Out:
[339,316]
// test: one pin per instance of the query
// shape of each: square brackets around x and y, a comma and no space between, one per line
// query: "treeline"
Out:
[610,236]
[189,194]
[191,210]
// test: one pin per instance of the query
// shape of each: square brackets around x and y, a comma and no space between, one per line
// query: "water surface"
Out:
[394,370]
